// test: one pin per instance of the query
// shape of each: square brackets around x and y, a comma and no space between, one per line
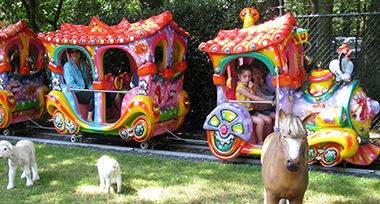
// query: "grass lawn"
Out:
[68,175]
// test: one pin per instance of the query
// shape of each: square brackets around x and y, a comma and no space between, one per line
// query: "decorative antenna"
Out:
[249,16]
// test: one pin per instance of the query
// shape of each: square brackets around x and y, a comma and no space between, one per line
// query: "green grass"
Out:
[68,175]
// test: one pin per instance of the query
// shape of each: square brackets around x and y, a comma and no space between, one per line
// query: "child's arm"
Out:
[251,95]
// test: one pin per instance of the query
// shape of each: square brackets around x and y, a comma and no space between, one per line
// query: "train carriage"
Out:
[342,114]
[154,105]
[22,72]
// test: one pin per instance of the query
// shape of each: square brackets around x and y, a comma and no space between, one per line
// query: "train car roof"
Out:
[252,38]
[12,29]
[99,33]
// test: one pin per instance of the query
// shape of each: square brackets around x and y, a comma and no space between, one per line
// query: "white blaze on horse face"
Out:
[294,147]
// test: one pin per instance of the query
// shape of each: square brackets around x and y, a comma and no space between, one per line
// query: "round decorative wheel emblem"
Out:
[139,130]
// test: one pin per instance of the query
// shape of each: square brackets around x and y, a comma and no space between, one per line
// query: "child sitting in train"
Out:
[262,90]
[246,91]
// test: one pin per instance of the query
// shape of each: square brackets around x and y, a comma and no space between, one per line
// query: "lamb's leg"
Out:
[101,179]
[22,175]
[11,174]
[35,171]
[118,183]
[29,181]
[108,184]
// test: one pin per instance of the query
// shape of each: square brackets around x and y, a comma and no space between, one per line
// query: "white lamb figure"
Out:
[109,172]
[22,154]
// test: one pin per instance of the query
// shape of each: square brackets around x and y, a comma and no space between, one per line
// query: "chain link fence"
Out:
[361,32]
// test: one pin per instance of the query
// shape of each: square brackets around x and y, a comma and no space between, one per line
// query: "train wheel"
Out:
[313,152]
[226,150]
[59,121]
[142,130]
[331,156]
[72,127]
[123,132]
[8,132]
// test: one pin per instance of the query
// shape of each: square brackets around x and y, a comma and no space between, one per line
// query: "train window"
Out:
[116,62]
[159,58]
[177,55]
[160,55]
[292,61]
[117,66]
[36,50]
[14,57]
[31,63]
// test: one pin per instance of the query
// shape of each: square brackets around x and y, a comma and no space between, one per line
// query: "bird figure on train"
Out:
[343,66]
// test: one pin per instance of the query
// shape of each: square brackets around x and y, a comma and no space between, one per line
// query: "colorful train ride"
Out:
[22,72]
[342,114]
[156,104]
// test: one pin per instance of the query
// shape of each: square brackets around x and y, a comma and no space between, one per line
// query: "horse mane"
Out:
[293,127]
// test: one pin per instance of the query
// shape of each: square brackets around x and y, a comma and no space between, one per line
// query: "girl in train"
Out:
[246,91]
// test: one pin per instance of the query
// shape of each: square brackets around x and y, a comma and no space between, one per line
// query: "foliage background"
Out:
[203,19]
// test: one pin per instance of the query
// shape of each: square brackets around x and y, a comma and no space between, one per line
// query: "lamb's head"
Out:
[5,149]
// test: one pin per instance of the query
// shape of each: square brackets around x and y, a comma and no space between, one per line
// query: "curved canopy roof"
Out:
[98,33]
[252,38]
[12,30]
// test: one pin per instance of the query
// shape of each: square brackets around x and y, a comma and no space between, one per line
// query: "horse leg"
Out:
[270,198]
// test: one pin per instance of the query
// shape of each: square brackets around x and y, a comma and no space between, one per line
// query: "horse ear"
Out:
[306,119]
[281,114]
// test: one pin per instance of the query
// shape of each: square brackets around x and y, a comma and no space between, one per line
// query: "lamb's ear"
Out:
[10,146]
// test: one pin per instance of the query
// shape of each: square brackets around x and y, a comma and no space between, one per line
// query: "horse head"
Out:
[293,140]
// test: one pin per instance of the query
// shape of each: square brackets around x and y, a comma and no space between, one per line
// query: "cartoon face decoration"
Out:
[15,88]
[31,90]
[360,112]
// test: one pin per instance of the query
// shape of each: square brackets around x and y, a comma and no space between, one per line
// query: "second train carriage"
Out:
[156,105]
[342,115]
[22,72]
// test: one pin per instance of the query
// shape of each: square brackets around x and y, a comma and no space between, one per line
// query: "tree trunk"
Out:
[322,32]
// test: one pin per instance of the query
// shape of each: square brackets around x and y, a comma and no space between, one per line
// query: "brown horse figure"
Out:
[284,161]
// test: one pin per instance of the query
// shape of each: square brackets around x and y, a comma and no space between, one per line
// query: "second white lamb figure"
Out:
[109,172]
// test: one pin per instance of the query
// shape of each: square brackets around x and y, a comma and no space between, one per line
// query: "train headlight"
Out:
[156,109]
